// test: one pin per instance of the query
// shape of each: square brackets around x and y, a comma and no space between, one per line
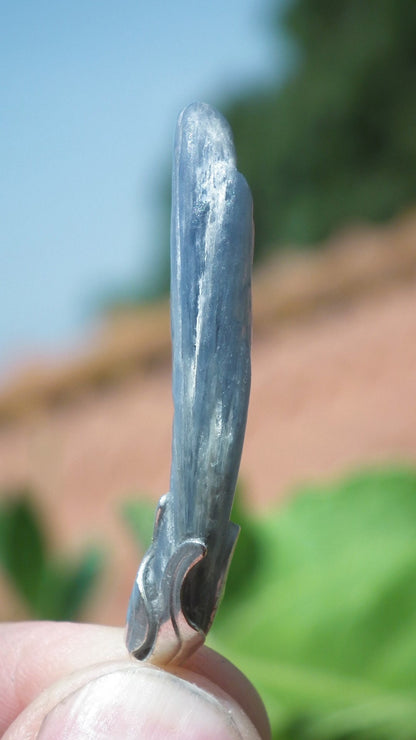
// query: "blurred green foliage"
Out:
[139,515]
[331,145]
[320,609]
[49,586]
[335,143]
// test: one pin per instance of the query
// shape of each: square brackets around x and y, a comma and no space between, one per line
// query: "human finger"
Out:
[37,655]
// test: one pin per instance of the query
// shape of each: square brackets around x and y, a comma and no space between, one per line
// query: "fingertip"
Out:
[52,660]
[135,701]
[224,674]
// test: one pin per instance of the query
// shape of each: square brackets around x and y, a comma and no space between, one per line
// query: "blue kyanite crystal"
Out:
[211,260]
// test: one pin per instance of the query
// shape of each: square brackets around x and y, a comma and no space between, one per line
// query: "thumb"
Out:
[130,700]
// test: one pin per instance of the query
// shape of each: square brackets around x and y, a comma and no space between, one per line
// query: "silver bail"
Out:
[182,575]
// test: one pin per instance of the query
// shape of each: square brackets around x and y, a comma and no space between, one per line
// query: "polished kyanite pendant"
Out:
[182,575]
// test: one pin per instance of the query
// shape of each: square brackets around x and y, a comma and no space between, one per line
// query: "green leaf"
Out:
[65,586]
[139,515]
[22,543]
[51,587]
[327,629]
[249,555]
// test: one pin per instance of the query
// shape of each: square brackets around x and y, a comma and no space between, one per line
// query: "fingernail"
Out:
[140,703]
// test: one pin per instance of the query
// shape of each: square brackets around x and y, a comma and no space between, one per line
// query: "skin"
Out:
[62,680]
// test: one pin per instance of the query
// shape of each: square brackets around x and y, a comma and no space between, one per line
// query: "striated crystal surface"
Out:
[211,260]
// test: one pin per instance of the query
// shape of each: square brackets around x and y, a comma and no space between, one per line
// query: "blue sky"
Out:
[89,97]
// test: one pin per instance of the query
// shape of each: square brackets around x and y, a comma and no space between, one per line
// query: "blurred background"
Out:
[320,609]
